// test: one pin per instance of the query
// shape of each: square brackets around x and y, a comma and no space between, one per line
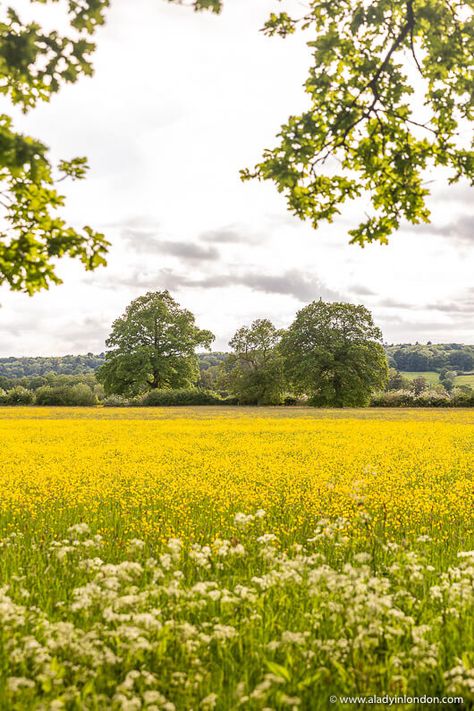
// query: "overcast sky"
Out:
[178,104]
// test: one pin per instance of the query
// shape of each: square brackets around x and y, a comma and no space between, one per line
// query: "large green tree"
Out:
[333,353]
[389,89]
[152,346]
[255,367]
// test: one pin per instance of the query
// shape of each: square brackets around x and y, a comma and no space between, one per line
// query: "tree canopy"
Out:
[255,366]
[152,346]
[370,129]
[333,353]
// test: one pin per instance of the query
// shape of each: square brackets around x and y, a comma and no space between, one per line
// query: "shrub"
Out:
[461,398]
[18,396]
[167,398]
[293,400]
[82,395]
[116,401]
[393,398]
[62,396]
[429,398]
[433,398]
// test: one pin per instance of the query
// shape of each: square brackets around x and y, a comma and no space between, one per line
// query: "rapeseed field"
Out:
[209,558]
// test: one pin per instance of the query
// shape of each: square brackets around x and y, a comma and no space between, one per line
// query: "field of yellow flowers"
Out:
[211,558]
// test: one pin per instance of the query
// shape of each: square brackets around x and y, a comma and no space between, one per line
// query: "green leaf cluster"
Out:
[34,64]
[152,347]
[390,92]
[254,369]
[333,353]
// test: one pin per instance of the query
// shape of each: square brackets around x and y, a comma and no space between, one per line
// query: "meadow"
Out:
[433,377]
[212,558]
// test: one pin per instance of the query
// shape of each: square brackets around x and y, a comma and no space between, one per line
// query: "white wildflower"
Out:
[79,529]
[242,520]
[209,702]
[17,683]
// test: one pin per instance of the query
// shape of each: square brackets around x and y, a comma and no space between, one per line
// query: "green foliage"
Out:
[333,353]
[33,66]
[397,381]
[254,369]
[152,346]
[181,397]
[17,396]
[416,357]
[419,385]
[186,397]
[116,401]
[446,378]
[45,368]
[210,370]
[79,395]
[363,132]
[428,398]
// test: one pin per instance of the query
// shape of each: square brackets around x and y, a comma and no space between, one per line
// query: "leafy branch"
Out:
[363,113]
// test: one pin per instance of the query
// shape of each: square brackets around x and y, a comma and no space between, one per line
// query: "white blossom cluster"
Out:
[234,624]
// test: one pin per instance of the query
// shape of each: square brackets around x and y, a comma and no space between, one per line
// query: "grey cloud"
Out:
[453,307]
[162,279]
[394,304]
[223,236]
[461,230]
[81,336]
[189,251]
[18,326]
[361,290]
[89,334]
[284,219]
[141,222]
[231,234]
[293,283]
[145,242]
[409,332]
[299,285]
[462,306]
[461,193]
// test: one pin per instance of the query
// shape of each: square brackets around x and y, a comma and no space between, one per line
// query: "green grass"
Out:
[429,375]
[467,379]
[433,378]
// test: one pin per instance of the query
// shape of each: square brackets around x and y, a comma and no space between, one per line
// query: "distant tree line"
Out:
[63,365]
[330,356]
[431,357]
[405,357]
